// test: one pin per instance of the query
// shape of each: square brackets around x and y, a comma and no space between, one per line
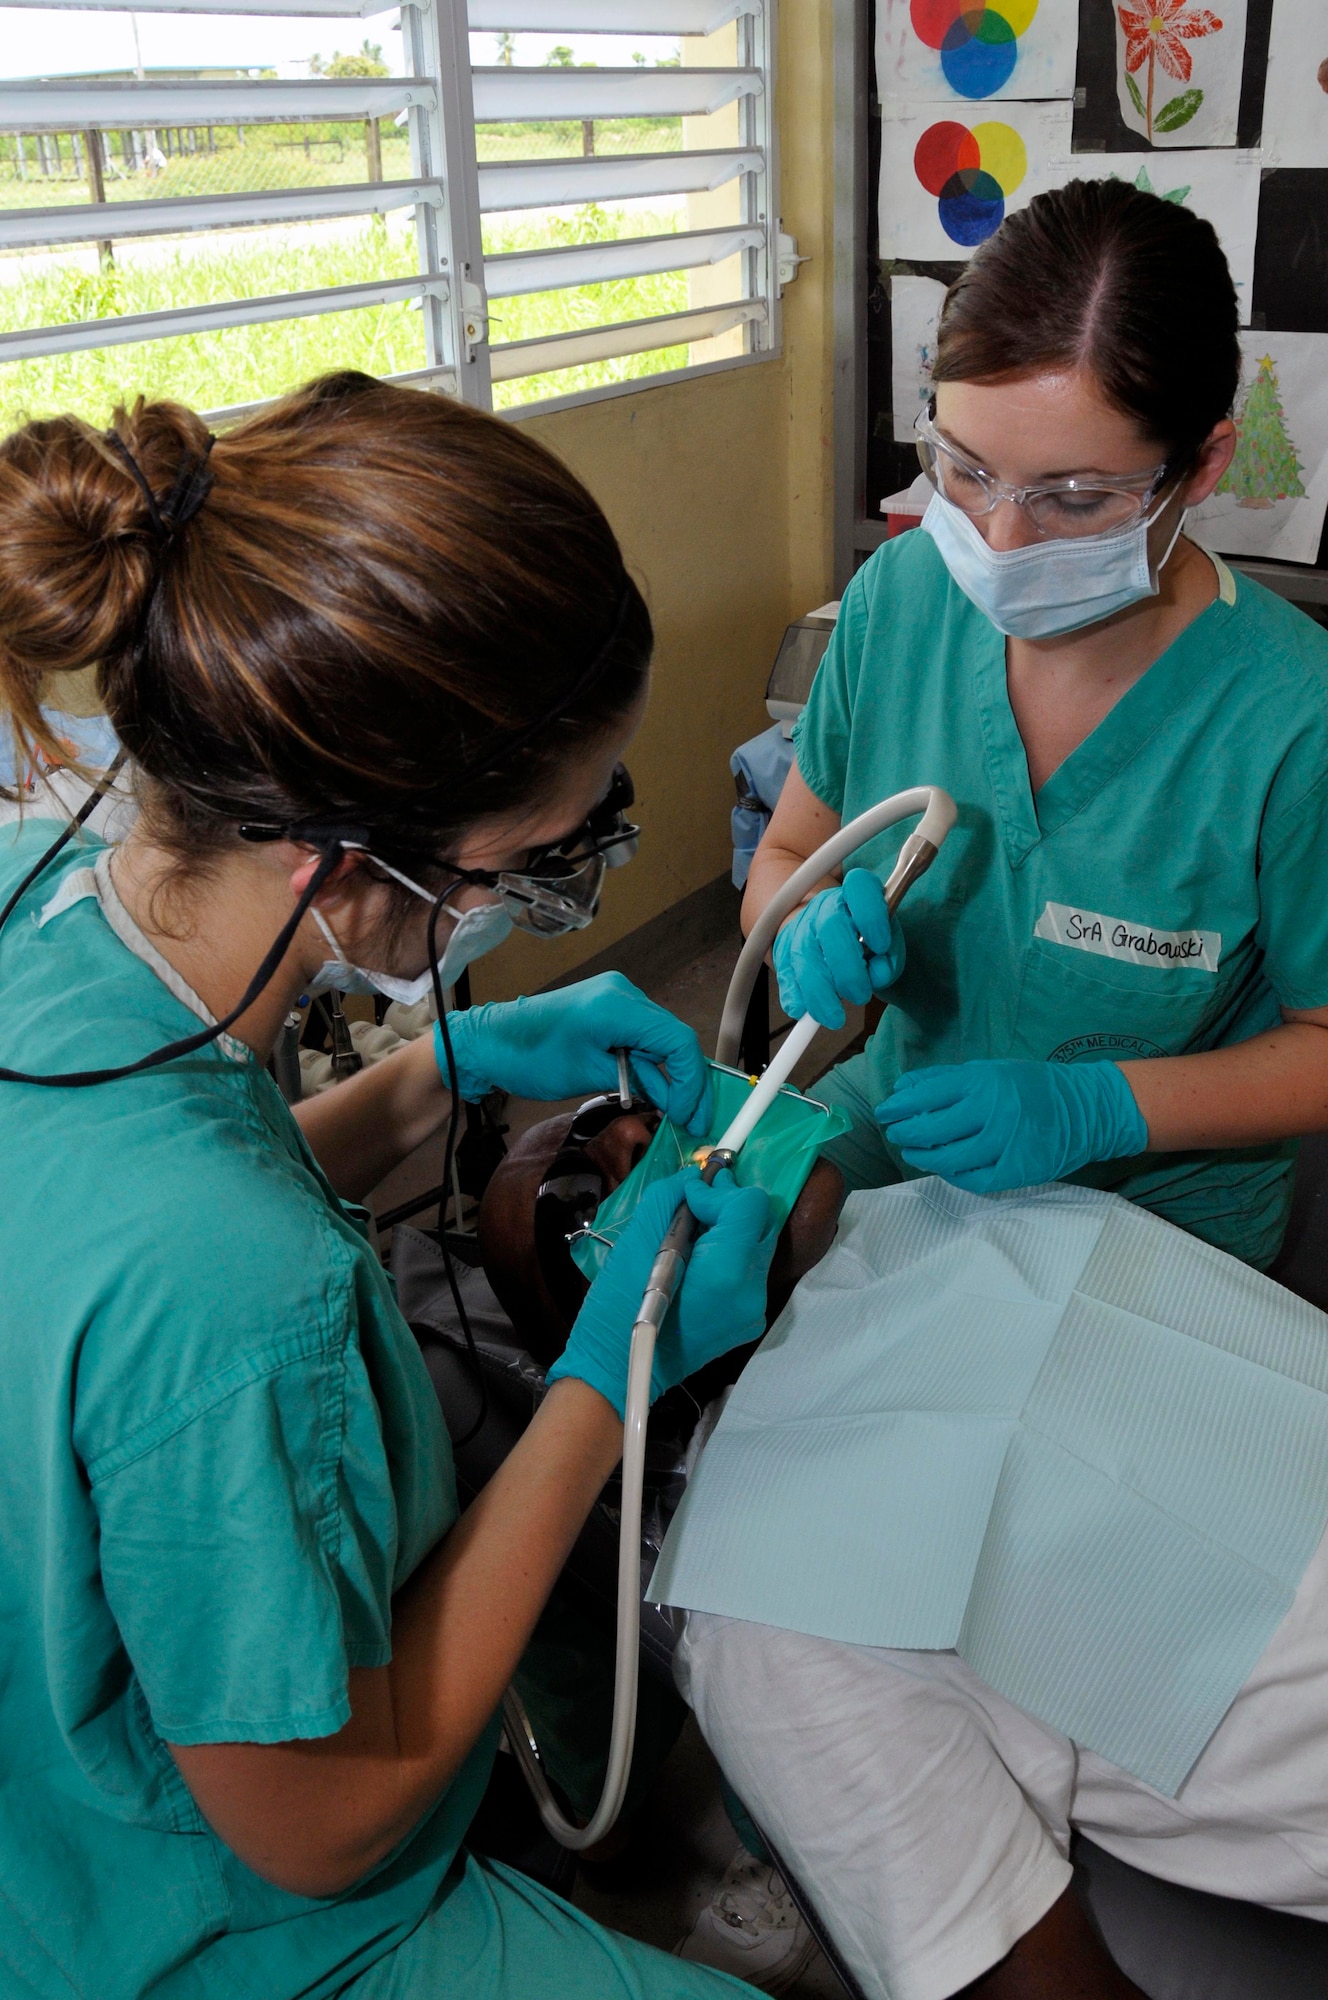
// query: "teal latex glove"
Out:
[844,946]
[1004,1123]
[720,1303]
[560,1044]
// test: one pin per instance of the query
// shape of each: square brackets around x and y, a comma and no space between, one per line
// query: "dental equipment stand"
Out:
[915,858]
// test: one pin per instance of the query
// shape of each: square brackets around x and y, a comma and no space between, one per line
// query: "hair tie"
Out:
[191,486]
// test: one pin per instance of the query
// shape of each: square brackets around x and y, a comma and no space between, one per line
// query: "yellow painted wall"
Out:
[720,492]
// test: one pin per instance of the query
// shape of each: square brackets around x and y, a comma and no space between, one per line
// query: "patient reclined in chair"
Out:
[1014,1526]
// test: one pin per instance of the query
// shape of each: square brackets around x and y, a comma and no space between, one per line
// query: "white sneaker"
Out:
[751,1928]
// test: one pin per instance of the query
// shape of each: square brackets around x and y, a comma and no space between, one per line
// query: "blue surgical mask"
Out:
[474,932]
[1050,587]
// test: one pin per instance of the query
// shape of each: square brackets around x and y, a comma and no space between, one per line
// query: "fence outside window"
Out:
[535,226]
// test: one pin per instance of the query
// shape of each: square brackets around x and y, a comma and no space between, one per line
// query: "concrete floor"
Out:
[683,1840]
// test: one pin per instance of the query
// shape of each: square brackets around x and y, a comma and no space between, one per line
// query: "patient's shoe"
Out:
[751,1928]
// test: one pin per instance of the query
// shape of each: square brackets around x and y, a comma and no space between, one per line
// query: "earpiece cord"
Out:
[449,1153]
[81,818]
[79,1079]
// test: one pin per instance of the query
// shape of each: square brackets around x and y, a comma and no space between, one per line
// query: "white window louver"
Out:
[718,248]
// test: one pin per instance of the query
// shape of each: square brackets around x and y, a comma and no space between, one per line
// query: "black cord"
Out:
[188,1044]
[449,1155]
[81,818]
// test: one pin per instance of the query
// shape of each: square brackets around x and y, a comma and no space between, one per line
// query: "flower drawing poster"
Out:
[1272,500]
[939,49]
[1178,69]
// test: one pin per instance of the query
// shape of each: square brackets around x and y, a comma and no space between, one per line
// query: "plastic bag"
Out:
[778,1157]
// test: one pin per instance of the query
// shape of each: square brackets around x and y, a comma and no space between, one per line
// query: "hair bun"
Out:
[78,546]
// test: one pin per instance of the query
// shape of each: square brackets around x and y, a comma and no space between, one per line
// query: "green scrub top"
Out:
[1165,891]
[220,1454]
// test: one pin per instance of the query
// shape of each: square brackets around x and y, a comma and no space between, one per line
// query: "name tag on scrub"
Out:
[1117,937]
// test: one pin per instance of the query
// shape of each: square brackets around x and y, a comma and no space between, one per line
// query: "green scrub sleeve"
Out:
[247,1545]
[1293,900]
[821,733]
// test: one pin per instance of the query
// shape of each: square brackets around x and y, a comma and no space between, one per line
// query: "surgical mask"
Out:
[1050,587]
[474,932]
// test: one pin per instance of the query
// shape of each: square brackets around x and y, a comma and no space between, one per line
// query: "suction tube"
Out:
[915,858]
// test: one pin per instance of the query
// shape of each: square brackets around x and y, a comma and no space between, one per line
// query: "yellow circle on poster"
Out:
[1002,155]
[1018,13]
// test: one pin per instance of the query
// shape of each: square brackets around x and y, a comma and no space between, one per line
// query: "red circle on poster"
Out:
[933,19]
[945,149]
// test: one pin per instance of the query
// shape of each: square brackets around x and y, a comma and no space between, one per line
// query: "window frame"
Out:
[448,189]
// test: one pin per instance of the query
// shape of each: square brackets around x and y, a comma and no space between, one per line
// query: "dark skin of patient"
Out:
[507,1237]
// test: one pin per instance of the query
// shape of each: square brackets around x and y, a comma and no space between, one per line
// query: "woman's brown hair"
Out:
[383,592]
[1101,276]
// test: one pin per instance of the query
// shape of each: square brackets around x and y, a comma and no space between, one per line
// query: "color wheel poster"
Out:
[965,50]
[948,183]
[1178,68]
[1272,499]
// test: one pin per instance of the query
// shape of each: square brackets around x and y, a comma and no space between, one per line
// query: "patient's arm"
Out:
[806,1236]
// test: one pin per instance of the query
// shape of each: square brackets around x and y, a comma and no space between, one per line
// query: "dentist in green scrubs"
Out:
[1117,971]
[374,658]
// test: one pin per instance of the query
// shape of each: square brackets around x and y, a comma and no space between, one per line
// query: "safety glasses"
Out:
[559,888]
[1093,505]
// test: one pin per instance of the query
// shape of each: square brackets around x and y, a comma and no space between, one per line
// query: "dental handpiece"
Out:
[915,857]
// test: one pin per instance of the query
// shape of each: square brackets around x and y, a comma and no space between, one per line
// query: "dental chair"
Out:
[1174,1943]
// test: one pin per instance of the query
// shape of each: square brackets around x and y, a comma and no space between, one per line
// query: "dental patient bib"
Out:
[1046,1429]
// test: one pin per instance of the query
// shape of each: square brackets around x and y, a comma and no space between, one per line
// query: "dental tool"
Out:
[915,858]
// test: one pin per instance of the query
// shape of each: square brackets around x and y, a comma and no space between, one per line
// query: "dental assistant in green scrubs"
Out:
[1117,970]
[374,658]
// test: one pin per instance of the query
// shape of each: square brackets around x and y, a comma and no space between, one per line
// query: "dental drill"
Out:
[915,858]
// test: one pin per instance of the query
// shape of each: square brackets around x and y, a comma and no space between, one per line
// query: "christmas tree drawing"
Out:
[1265,468]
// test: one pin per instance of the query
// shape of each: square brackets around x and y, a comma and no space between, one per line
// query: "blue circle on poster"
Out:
[979,52]
[971,207]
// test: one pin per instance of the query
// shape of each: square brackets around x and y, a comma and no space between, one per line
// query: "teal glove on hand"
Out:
[844,946]
[559,1044]
[720,1303]
[1003,1123]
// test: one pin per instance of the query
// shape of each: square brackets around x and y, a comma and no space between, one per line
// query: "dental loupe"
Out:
[915,858]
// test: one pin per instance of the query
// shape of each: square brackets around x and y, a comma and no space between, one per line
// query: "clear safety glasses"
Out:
[559,888]
[1093,505]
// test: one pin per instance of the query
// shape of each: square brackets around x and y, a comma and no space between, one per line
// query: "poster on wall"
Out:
[1295,105]
[1223,187]
[940,50]
[947,184]
[1178,70]
[915,308]
[1272,499]
[942,183]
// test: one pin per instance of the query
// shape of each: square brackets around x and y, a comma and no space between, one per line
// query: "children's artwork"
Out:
[1272,499]
[1295,105]
[947,186]
[915,307]
[1223,187]
[955,49]
[1178,70]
